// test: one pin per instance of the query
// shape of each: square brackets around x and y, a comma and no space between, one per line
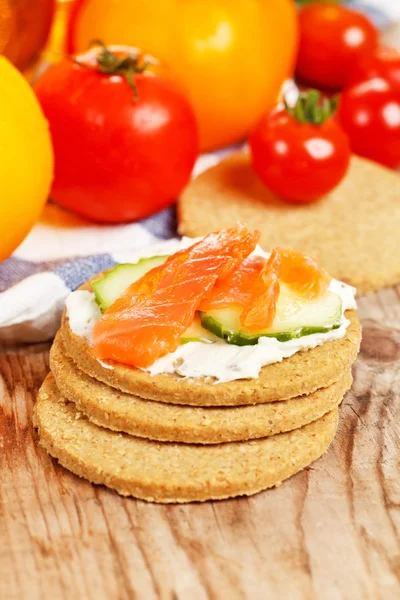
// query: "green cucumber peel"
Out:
[244,338]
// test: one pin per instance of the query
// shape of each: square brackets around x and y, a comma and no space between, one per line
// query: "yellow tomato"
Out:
[232,56]
[26,158]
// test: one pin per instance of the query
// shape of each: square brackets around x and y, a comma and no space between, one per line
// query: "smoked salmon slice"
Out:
[253,286]
[236,289]
[302,273]
[259,312]
[148,321]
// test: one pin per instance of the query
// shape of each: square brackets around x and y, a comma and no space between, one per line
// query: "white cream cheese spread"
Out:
[222,361]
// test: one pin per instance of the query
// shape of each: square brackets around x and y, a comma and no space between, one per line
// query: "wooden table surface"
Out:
[330,532]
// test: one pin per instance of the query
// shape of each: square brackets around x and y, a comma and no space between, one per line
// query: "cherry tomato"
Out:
[299,161]
[369,112]
[117,158]
[384,63]
[333,39]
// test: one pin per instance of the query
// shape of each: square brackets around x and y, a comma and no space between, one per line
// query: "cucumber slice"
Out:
[295,317]
[113,284]
[197,333]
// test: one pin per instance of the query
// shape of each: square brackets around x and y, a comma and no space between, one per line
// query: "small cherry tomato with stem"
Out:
[125,139]
[333,39]
[369,112]
[300,152]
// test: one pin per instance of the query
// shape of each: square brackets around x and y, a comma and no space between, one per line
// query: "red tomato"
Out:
[370,114]
[384,63]
[299,161]
[333,39]
[116,159]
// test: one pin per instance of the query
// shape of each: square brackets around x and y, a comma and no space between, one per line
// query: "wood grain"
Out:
[330,532]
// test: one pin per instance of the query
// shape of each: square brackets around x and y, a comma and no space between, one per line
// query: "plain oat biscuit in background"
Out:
[352,232]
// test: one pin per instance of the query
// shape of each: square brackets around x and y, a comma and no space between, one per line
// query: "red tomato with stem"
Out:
[300,153]
[383,63]
[333,39]
[125,141]
[369,112]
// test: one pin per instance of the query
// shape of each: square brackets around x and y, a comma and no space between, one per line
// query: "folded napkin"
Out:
[58,256]
[382,12]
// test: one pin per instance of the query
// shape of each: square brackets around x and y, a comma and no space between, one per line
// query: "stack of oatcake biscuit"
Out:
[167,438]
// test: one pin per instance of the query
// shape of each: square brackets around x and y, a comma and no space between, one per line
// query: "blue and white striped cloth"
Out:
[58,256]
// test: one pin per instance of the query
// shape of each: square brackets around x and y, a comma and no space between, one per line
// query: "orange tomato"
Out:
[231,56]
[26,158]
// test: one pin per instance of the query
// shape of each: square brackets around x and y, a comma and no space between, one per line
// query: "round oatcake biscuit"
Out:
[170,472]
[107,407]
[352,232]
[301,374]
